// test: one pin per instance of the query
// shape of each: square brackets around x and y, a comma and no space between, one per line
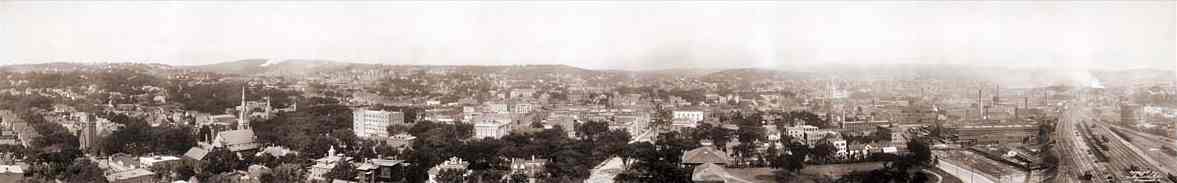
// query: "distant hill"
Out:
[1008,77]
[241,67]
[266,67]
[754,74]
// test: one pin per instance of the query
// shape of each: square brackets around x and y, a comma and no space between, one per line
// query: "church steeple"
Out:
[242,118]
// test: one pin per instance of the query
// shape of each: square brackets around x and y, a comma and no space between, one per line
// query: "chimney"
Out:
[997,94]
[980,104]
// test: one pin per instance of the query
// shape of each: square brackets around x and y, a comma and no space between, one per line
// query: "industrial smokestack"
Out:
[997,94]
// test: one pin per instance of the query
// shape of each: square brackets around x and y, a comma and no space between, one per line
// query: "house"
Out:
[158,160]
[383,171]
[138,175]
[324,165]
[686,118]
[533,168]
[454,163]
[401,141]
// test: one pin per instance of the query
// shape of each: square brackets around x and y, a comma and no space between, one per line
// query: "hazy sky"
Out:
[599,35]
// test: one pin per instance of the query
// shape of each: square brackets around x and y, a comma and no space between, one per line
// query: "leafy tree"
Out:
[824,151]
[285,173]
[483,154]
[591,129]
[920,151]
[138,138]
[660,162]
[718,135]
[743,151]
[182,170]
[882,134]
[83,170]
[221,160]
[519,178]
[795,159]
[750,133]
[397,129]
[451,176]
[343,170]
[566,163]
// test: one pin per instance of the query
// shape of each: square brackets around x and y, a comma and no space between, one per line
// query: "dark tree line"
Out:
[660,161]
[904,168]
[215,97]
[310,130]
[137,137]
[568,159]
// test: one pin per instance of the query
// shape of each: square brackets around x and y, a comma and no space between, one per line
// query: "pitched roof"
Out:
[236,140]
[706,154]
[124,175]
[196,152]
[709,172]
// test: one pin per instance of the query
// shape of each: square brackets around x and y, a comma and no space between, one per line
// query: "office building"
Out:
[374,123]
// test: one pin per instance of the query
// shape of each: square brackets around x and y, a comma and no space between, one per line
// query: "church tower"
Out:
[243,114]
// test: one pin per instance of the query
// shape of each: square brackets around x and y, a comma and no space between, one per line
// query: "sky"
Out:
[598,35]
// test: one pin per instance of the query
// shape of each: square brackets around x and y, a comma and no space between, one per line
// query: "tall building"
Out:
[374,123]
[981,106]
[1128,114]
[87,138]
[491,129]
[686,118]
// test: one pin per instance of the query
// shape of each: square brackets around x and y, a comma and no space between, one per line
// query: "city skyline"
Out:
[598,35]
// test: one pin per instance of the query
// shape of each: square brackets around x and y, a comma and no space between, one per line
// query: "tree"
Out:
[920,152]
[881,134]
[718,135]
[566,163]
[285,173]
[591,129]
[750,133]
[397,129]
[795,160]
[483,154]
[824,151]
[220,160]
[83,170]
[182,170]
[659,162]
[343,170]
[451,176]
[744,151]
[519,178]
